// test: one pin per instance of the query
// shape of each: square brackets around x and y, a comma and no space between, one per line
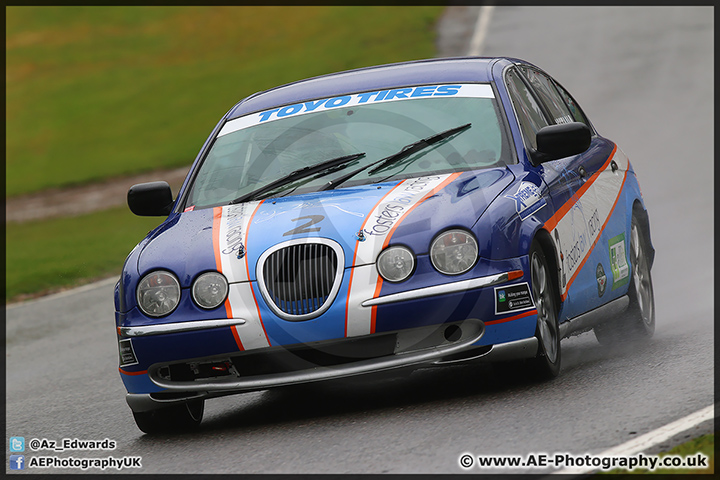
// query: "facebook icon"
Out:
[17,462]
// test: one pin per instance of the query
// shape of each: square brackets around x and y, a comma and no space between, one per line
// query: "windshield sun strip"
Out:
[458,90]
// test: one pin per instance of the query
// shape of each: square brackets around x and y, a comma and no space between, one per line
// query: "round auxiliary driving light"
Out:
[210,290]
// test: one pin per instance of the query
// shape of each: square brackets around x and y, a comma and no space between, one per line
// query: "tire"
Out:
[178,418]
[638,321]
[546,364]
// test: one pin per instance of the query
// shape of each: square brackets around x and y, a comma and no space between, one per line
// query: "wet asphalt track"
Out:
[645,78]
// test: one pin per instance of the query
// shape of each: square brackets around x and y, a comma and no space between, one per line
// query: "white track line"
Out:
[480,32]
[649,440]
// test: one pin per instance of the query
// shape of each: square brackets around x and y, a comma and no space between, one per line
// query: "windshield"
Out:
[258,149]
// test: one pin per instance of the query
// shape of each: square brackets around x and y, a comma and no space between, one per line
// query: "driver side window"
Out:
[545,89]
[575,109]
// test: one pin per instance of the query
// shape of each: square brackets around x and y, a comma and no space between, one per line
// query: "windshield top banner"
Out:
[471,90]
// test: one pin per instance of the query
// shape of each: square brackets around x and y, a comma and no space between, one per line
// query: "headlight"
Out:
[158,293]
[395,264]
[210,290]
[454,252]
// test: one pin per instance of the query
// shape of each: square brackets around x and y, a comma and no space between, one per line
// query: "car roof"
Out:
[420,72]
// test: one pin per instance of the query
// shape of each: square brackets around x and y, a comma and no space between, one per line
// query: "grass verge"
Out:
[704,444]
[94,92]
[47,256]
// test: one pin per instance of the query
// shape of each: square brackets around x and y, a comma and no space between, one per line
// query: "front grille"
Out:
[300,279]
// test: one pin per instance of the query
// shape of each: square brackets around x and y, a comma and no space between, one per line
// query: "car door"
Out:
[576,228]
[574,225]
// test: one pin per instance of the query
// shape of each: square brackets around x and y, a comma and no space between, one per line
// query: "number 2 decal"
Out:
[313,219]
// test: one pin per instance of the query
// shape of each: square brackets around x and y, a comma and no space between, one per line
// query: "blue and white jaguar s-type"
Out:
[401,215]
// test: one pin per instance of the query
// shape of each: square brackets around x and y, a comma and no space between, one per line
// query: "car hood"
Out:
[409,212]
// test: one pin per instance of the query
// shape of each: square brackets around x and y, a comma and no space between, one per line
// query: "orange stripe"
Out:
[373,309]
[217,218]
[562,211]
[378,285]
[352,269]
[572,279]
[247,267]
[237,337]
[228,308]
[125,372]
[119,332]
[516,317]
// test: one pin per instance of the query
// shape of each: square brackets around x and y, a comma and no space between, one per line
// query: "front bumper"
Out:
[415,347]
[412,326]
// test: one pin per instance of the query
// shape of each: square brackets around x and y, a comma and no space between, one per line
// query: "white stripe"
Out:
[243,305]
[649,440]
[383,218]
[481,28]
[359,318]
[233,233]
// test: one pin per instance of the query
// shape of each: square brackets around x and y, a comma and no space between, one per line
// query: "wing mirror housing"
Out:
[152,199]
[560,141]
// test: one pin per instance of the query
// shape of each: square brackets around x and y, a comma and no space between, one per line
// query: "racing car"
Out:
[390,217]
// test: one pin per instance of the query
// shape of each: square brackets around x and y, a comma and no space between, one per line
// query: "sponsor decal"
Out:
[594,223]
[127,353]
[527,199]
[580,237]
[235,225]
[513,298]
[383,219]
[576,226]
[618,262]
[601,279]
[472,90]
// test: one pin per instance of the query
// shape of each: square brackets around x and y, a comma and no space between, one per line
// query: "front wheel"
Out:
[177,418]
[547,361]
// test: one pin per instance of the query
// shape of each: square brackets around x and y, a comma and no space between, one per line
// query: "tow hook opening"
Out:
[453,333]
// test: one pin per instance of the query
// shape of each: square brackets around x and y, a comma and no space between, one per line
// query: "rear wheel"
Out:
[638,321]
[177,418]
[547,361]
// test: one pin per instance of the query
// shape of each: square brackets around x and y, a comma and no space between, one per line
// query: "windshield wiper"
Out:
[297,175]
[405,152]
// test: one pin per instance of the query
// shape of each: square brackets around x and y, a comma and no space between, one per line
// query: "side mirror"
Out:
[151,199]
[563,140]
